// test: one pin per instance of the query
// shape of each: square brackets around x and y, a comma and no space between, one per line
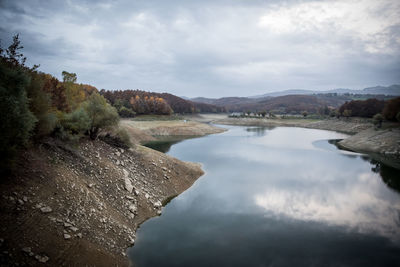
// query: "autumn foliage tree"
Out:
[150,105]
[392,109]
[363,108]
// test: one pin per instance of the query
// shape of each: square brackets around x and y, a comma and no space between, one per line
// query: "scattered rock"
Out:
[42,259]
[157,204]
[27,250]
[67,236]
[46,209]
[127,181]
[132,208]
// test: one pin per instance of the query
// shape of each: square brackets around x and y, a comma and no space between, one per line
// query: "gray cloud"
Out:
[211,48]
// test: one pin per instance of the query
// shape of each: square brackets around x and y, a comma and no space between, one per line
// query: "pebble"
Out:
[67,236]
[157,204]
[46,209]
[132,208]
[27,249]
[42,259]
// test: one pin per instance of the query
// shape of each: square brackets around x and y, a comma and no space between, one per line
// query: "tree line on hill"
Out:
[36,105]
[389,109]
[131,102]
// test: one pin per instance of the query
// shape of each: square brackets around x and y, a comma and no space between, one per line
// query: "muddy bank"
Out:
[350,126]
[384,143]
[79,206]
[145,131]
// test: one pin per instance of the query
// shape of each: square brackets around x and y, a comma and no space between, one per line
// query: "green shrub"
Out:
[120,138]
[17,122]
[40,105]
[101,114]
[76,122]
[377,120]
[126,112]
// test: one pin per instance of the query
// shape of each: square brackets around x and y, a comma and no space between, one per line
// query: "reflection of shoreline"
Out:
[359,206]
[388,172]
[390,176]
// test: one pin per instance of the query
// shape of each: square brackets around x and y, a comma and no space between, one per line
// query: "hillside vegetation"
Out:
[131,102]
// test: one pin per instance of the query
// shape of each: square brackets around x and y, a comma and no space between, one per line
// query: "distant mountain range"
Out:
[393,90]
[295,101]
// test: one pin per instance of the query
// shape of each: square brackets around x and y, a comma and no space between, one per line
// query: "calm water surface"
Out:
[276,197]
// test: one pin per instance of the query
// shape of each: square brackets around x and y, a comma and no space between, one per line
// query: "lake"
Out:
[276,197]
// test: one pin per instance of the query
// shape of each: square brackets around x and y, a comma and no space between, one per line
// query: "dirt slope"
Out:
[81,206]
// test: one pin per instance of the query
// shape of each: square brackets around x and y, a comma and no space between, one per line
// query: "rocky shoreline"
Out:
[80,205]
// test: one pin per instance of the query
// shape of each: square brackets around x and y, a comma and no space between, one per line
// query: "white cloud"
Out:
[213,48]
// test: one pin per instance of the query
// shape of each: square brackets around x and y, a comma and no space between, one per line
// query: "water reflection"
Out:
[162,146]
[278,197]
[389,174]
[260,131]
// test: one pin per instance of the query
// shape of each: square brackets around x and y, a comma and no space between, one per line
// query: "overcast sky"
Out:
[211,48]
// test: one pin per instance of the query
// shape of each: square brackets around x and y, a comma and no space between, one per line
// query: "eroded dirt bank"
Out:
[144,131]
[80,205]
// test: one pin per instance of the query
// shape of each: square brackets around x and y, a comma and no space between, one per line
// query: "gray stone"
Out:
[67,236]
[46,209]
[42,259]
[157,204]
[132,208]
[127,181]
[27,250]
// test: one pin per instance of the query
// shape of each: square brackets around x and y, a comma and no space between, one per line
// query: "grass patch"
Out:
[158,118]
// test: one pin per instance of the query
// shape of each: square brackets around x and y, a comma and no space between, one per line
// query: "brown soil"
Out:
[144,131]
[81,206]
